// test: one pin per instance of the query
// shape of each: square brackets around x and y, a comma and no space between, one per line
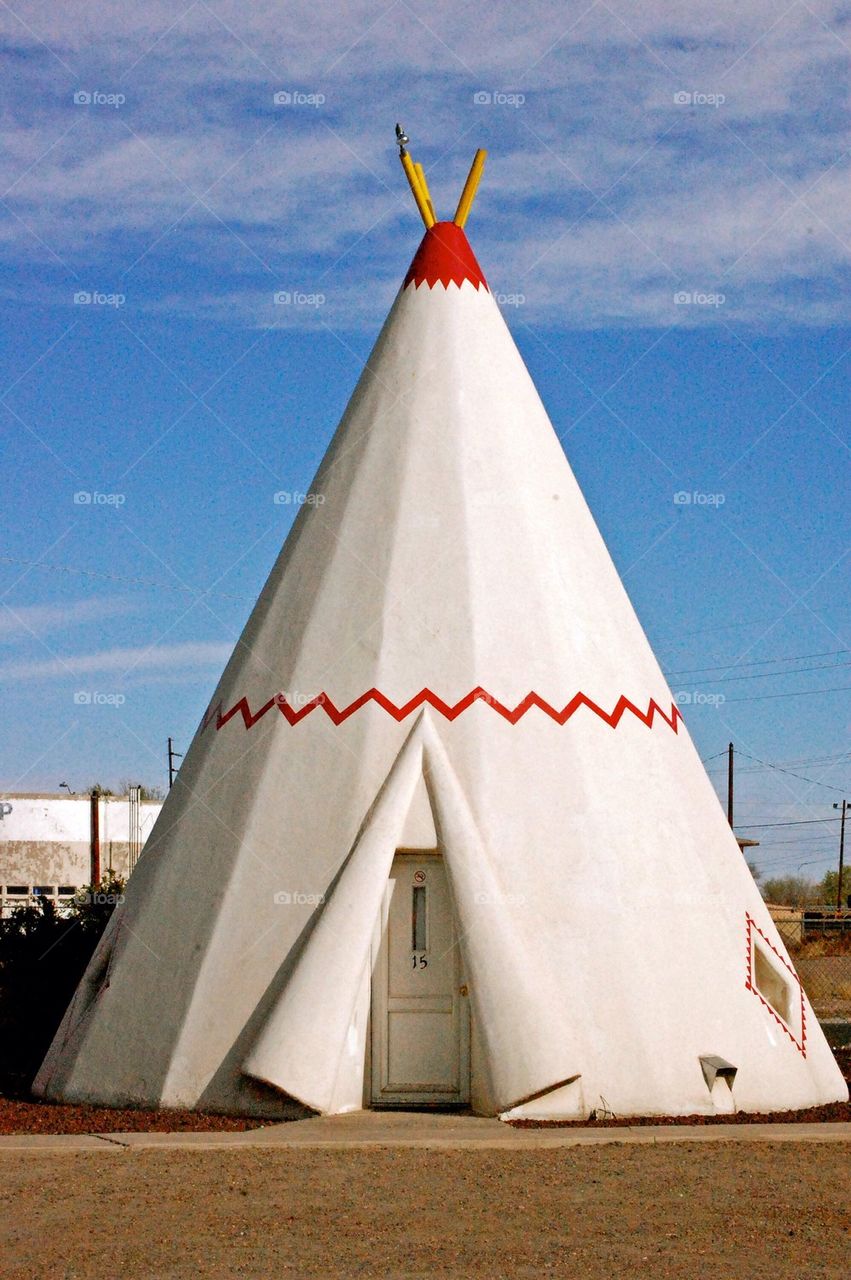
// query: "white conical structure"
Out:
[444,655]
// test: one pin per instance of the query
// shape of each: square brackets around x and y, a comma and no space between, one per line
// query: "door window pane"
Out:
[419,940]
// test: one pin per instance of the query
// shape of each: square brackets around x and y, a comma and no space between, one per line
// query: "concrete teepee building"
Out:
[390,872]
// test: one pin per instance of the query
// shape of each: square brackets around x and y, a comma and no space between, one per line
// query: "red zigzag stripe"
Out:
[293,715]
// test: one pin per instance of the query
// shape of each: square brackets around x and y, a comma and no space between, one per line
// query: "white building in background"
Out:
[51,844]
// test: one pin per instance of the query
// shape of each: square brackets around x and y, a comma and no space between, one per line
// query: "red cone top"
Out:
[444,257]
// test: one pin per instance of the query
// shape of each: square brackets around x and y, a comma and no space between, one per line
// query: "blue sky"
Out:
[666,214]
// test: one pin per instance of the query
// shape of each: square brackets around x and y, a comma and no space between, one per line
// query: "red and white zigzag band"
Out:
[293,715]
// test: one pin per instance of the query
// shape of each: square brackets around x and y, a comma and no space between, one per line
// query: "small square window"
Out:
[773,980]
[43,890]
[17,890]
[67,890]
[772,985]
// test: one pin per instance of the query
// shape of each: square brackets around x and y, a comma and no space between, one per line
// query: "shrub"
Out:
[43,955]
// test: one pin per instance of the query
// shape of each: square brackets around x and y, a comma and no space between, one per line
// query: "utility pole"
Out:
[94,855]
[844,807]
[730,784]
[172,756]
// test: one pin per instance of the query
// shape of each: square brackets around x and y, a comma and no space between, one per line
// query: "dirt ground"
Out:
[726,1211]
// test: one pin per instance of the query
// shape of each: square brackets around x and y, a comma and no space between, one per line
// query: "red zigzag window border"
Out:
[294,715]
[751,927]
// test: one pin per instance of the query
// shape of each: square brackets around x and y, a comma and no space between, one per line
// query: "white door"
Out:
[420,1016]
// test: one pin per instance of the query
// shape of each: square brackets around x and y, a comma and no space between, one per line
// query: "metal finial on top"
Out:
[419,186]
[416,179]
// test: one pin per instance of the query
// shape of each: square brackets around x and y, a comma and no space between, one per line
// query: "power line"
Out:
[751,768]
[770,675]
[792,866]
[802,822]
[800,693]
[757,662]
[742,769]
[755,622]
[772,842]
[844,756]
[788,862]
[777,767]
[803,761]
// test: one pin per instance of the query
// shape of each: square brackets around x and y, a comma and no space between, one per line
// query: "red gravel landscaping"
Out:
[18,1117]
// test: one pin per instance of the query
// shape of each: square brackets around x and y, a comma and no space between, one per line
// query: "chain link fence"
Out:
[819,945]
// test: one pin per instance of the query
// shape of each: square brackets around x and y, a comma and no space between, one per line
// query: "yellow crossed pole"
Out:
[424,187]
[415,174]
[471,186]
[420,196]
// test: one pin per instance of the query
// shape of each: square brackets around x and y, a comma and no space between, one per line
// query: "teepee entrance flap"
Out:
[313,1044]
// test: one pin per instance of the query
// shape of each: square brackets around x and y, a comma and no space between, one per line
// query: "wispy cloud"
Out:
[121,661]
[20,622]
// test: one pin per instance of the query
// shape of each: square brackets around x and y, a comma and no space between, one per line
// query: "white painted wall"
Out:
[45,841]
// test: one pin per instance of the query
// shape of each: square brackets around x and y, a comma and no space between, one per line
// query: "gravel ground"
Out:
[681,1212]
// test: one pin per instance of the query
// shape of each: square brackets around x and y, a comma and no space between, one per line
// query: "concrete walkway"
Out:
[417,1129]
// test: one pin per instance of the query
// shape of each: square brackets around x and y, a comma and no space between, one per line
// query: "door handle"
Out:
[462,990]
